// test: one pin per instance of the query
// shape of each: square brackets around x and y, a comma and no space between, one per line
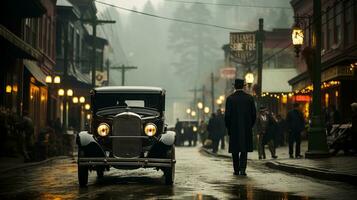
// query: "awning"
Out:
[36,71]
[276,80]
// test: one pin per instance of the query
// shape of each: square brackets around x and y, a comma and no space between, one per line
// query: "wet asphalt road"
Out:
[198,176]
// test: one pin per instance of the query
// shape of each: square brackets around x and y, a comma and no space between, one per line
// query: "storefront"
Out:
[338,87]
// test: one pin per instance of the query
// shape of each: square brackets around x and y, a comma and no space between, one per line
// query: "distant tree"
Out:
[193,46]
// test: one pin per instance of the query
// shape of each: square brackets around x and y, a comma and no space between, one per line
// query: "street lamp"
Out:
[69,92]
[188,110]
[82,99]
[48,79]
[61,92]
[57,79]
[87,106]
[219,102]
[317,141]
[75,99]
[249,78]
[297,36]
[222,98]
[193,113]
[206,110]
[200,105]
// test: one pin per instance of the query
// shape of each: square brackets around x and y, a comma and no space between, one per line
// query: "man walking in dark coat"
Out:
[240,117]
[296,125]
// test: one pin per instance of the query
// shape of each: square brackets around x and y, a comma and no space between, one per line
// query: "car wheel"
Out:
[82,175]
[169,172]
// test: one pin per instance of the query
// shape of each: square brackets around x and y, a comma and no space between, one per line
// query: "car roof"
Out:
[129,89]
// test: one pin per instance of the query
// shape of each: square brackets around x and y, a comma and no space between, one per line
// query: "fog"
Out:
[175,55]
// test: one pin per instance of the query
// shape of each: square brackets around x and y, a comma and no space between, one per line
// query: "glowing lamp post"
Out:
[297,38]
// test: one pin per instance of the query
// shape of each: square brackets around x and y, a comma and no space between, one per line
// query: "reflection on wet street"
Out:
[197,177]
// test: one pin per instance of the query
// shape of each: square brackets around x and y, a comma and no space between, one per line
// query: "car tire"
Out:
[83,176]
[169,172]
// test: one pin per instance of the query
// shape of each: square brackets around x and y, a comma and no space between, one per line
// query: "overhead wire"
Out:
[228,5]
[169,18]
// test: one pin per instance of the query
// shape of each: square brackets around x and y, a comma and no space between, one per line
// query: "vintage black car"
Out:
[127,131]
[188,131]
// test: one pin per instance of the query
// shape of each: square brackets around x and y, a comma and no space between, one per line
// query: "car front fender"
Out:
[168,138]
[88,146]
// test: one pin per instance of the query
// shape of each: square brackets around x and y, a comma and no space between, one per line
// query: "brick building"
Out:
[339,54]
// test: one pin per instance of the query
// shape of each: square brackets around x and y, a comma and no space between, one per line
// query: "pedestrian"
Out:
[213,132]
[26,128]
[281,130]
[221,128]
[270,135]
[179,133]
[296,124]
[202,130]
[261,128]
[240,116]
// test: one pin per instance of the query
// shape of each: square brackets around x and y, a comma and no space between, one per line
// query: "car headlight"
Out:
[103,129]
[150,129]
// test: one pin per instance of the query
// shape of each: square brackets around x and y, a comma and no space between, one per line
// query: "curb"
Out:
[32,164]
[314,172]
[208,151]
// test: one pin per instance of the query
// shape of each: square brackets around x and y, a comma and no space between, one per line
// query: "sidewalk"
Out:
[15,163]
[336,168]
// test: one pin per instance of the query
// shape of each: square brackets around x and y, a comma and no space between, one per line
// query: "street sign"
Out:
[243,47]
[228,72]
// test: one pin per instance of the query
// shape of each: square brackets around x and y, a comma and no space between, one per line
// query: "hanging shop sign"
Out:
[243,47]
[228,72]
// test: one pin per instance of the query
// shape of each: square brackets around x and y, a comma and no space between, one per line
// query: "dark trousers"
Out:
[239,161]
[223,144]
[215,143]
[294,137]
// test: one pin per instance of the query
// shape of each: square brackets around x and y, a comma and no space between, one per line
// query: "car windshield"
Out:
[104,100]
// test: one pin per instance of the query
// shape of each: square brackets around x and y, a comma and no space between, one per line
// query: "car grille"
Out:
[124,125]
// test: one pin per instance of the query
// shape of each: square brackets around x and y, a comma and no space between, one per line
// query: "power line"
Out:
[169,18]
[229,5]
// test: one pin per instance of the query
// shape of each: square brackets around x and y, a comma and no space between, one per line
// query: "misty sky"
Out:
[168,53]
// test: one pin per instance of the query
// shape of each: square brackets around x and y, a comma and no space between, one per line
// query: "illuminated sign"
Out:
[302,98]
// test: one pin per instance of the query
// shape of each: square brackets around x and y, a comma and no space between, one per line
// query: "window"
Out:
[49,37]
[59,38]
[348,23]
[330,31]
[338,21]
[78,47]
[323,31]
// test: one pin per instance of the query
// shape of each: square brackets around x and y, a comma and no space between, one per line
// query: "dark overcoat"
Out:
[240,116]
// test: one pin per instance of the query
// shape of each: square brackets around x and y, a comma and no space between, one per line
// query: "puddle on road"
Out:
[251,193]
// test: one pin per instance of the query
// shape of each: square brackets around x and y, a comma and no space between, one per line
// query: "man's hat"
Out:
[239,83]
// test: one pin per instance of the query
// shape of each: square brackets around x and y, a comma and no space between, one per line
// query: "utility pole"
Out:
[123,69]
[94,22]
[212,91]
[317,146]
[260,39]
[107,64]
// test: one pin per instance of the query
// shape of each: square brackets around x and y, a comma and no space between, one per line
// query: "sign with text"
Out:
[243,47]
[228,72]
